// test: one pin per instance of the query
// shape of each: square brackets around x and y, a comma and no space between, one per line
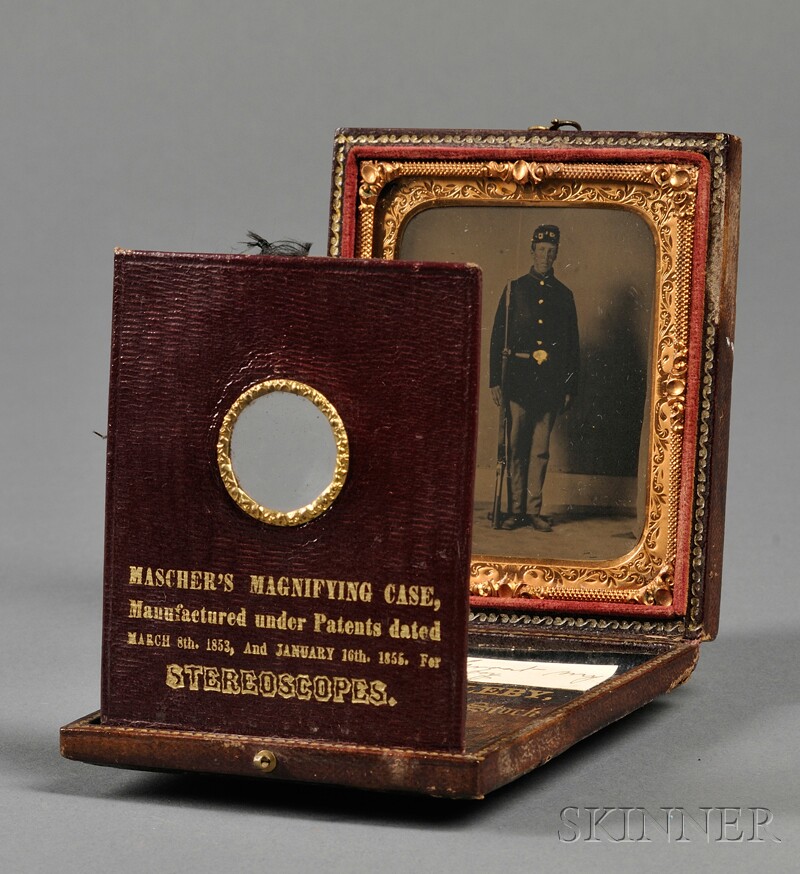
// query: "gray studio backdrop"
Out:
[180,125]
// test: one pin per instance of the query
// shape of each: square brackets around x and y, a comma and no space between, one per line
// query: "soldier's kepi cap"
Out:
[546,234]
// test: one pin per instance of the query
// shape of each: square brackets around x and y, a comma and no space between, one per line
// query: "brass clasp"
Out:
[557,124]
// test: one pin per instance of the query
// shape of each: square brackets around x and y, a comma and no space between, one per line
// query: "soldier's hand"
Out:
[497,395]
[567,403]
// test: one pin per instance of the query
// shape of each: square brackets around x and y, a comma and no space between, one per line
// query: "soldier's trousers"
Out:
[528,455]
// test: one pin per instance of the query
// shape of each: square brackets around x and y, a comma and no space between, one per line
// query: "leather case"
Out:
[647,614]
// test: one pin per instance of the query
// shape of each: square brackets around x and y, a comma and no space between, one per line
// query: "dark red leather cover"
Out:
[394,346]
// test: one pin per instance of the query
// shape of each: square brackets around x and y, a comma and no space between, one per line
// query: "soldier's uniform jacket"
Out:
[543,339]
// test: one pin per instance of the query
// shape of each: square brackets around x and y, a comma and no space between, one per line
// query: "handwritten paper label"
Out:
[547,675]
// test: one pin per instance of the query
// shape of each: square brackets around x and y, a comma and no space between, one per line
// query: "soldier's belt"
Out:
[539,355]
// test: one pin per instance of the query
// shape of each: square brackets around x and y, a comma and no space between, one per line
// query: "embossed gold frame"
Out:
[321,503]
[381,181]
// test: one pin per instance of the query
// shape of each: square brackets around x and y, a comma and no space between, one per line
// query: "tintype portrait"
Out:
[567,323]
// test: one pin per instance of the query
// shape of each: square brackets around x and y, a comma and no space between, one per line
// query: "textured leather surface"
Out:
[394,347]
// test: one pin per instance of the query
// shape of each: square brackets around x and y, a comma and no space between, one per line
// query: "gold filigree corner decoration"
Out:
[374,176]
[674,176]
[323,501]
[659,591]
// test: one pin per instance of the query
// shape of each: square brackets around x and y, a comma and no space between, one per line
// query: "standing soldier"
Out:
[539,336]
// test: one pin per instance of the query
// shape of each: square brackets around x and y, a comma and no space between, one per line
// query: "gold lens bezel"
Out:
[246,502]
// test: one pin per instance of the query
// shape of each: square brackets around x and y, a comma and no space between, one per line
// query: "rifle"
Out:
[503,469]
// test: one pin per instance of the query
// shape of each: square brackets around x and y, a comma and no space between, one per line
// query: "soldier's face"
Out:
[544,256]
